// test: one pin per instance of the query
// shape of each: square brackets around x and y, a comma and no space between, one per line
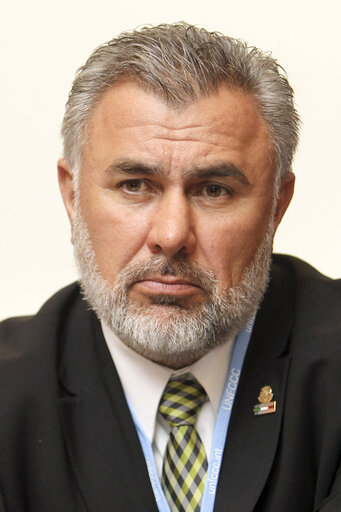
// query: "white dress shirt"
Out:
[144,381]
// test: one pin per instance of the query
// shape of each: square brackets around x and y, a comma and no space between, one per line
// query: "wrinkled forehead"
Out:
[127,105]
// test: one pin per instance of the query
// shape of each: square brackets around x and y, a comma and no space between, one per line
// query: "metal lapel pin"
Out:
[266,405]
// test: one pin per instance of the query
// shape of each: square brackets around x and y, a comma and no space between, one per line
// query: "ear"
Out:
[286,192]
[66,187]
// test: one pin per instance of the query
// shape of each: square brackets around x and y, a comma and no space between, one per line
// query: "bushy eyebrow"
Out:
[133,167]
[222,170]
[219,170]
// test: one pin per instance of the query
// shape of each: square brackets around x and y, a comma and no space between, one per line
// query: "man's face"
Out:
[195,184]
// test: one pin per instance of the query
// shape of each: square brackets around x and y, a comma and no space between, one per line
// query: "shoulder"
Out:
[302,270]
[54,306]
[23,327]
[29,346]
[315,301]
[308,284]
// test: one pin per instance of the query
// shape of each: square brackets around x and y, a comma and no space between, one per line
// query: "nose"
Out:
[172,226]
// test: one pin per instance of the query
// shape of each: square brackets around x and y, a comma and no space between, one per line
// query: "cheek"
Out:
[229,245]
[117,235]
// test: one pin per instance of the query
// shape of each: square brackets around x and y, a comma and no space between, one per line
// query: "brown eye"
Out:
[133,185]
[214,190]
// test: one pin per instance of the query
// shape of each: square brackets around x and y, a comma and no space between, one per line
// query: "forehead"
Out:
[129,119]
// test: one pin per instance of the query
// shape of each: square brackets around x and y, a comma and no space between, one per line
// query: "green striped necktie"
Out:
[185,462]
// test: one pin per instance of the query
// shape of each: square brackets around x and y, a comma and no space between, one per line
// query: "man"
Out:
[209,377]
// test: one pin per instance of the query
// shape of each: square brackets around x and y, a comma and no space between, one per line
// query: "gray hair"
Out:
[181,62]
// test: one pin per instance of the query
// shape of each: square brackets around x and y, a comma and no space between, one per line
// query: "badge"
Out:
[266,405]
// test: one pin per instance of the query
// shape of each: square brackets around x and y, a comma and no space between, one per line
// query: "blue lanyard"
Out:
[219,437]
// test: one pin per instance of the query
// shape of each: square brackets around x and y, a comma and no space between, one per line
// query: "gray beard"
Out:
[181,333]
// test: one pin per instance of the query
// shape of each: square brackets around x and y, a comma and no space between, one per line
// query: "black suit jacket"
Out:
[68,442]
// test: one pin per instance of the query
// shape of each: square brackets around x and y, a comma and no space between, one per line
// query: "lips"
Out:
[167,285]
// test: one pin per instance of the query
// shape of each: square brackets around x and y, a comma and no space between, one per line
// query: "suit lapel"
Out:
[100,436]
[252,440]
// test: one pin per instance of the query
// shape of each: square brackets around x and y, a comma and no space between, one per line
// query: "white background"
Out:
[42,45]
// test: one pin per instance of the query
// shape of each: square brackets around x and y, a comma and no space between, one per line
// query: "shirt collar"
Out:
[143,381]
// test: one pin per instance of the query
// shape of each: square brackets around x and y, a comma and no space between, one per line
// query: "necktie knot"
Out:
[182,400]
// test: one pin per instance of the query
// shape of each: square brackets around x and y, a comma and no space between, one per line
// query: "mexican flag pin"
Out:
[266,405]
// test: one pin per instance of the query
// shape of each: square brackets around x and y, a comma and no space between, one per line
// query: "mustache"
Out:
[177,266]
